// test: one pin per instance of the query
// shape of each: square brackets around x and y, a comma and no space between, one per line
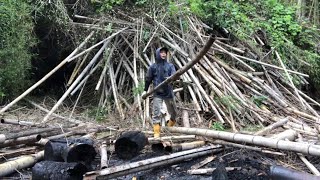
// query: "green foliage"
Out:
[258,100]
[228,101]
[252,128]
[53,14]
[100,114]
[218,126]
[278,20]
[16,37]
[139,89]
[106,5]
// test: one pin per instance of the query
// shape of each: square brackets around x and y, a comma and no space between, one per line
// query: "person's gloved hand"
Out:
[143,93]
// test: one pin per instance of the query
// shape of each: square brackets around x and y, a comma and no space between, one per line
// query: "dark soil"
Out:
[253,165]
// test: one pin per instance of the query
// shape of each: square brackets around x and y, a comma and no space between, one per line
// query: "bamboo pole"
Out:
[121,170]
[29,132]
[47,75]
[185,118]
[235,57]
[54,114]
[104,70]
[20,163]
[290,80]
[84,80]
[288,134]
[184,146]
[94,59]
[114,90]
[104,155]
[210,170]
[204,162]
[269,128]
[268,65]
[310,166]
[171,139]
[203,92]
[17,122]
[77,69]
[97,44]
[308,149]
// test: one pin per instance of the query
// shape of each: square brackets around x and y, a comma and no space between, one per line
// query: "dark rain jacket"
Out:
[157,73]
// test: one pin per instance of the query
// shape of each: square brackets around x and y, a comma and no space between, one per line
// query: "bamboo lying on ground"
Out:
[47,75]
[184,146]
[125,169]
[21,140]
[241,146]
[204,162]
[20,163]
[17,122]
[210,170]
[288,134]
[269,128]
[17,152]
[171,139]
[304,148]
[29,132]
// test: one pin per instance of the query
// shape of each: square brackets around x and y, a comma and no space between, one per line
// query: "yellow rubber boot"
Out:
[156,130]
[171,123]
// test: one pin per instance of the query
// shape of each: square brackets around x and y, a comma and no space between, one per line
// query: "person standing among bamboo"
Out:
[157,73]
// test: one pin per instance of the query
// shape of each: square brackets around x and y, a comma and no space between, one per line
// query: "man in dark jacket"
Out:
[157,73]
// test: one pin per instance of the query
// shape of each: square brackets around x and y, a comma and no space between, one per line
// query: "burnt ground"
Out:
[254,165]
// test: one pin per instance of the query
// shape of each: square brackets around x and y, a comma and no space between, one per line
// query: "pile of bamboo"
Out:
[233,82]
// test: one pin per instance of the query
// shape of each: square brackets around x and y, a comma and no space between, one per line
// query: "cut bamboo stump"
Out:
[20,163]
[73,150]
[121,170]
[49,170]
[129,144]
[304,148]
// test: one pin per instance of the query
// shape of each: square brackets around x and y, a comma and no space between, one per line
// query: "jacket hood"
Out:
[158,58]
